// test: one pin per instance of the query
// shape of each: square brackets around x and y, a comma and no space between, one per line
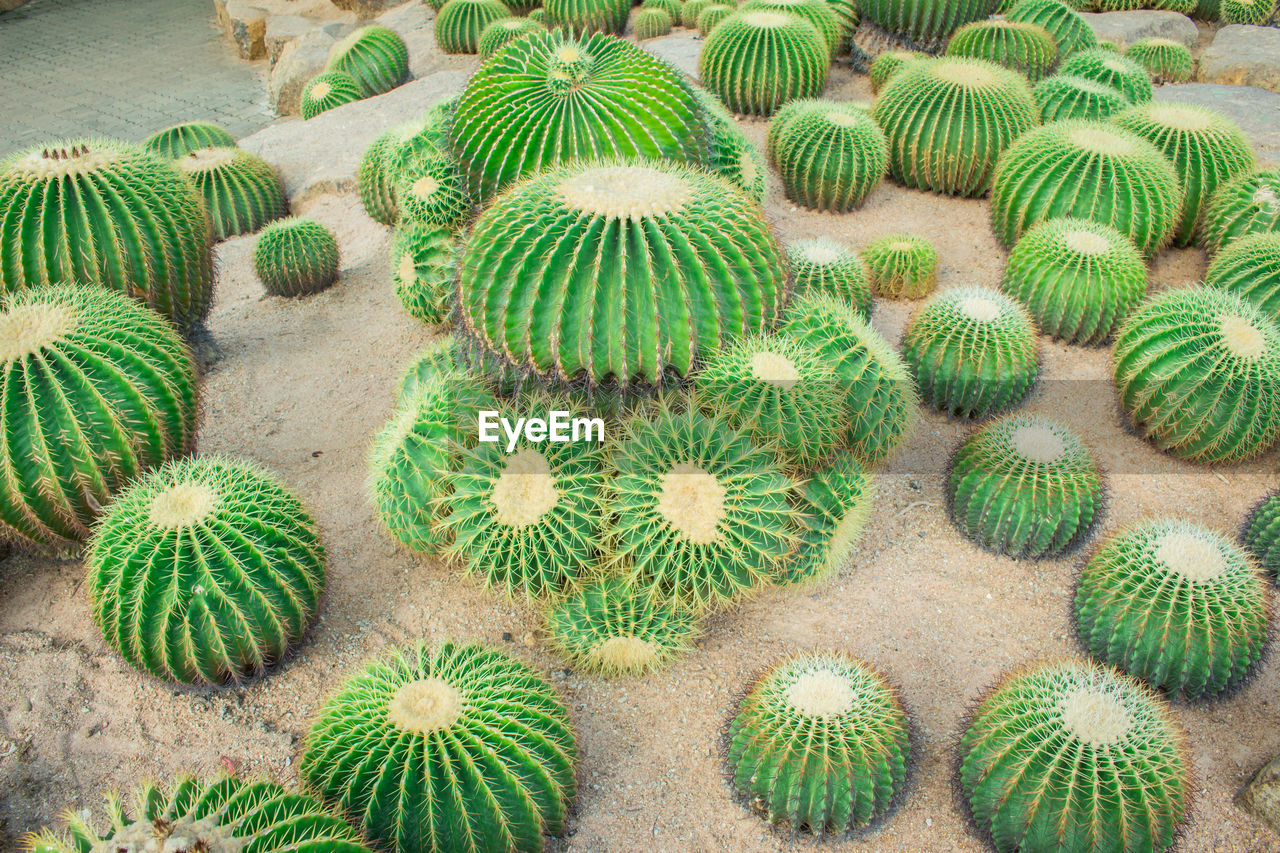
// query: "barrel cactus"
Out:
[433,192]
[712,15]
[924,24]
[833,504]
[1017,45]
[733,156]
[1167,61]
[888,63]
[902,266]
[824,266]
[1198,371]
[392,156]
[462,719]
[499,33]
[1245,204]
[1250,267]
[820,742]
[460,22]
[1079,279]
[1071,756]
[948,120]
[1248,12]
[817,12]
[972,351]
[107,377]
[1066,96]
[757,60]
[537,16]
[296,257]
[1261,534]
[1176,604]
[240,190]
[375,56]
[1069,30]
[422,265]
[328,90]
[1103,66]
[102,212]
[652,23]
[1088,171]
[181,139]
[831,159]
[671,7]
[689,12]
[584,17]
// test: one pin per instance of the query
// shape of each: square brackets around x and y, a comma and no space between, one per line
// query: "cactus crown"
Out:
[27,329]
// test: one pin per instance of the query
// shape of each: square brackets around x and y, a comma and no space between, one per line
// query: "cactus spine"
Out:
[422,264]
[823,266]
[460,22]
[328,90]
[903,266]
[181,139]
[1069,30]
[296,257]
[1250,267]
[375,56]
[240,191]
[757,60]
[1018,46]
[1246,204]
[652,23]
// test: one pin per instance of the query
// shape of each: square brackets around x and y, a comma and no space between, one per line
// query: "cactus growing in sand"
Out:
[498,34]
[1246,204]
[459,23]
[824,266]
[755,61]
[689,12]
[1104,66]
[817,12]
[1066,96]
[889,63]
[1167,61]
[295,257]
[181,139]
[375,56]
[1250,267]
[733,156]
[1261,534]
[422,265]
[433,192]
[671,7]
[831,158]
[1017,45]
[585,17]
[902,266]
[1070,31]
[651,23]
[924,23]
[394,155]
[833,504]
[241,192]
[328,90]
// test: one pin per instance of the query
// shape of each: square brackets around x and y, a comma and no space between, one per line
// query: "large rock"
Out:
[300,60]
[1244,56]
[247,27]
[680,50]
[1261,797]
[415,23]
[1257,111]
[366,8]
[321,155]
[283,29]
[1124,28]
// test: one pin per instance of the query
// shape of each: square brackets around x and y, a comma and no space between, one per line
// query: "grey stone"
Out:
[366,8]
[300,60]
[1261,797]
[1257,111]
[281,30]
[415,23]
[1244,56]
[680,49]
[247,28]
[1124,28]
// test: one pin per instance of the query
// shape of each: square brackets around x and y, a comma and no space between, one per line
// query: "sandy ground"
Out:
[302,386]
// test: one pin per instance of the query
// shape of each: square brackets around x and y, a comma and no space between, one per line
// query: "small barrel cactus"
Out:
[1261,534]
[1079,279]
[1024,486]
[972,351]
[1167,61]
[821,742]
[433,192]
[712,15]
[106,376]
[296,257]
[1071,756]
[1180,606]
[585,17]
[824,266]
[1066,96]
[817,12]
[757,60]
[1245,204]
[460,22]
[181,139]
[784,115]
[886,64]
[834,504]
[733,156]
[328,90]
[924,23]
[831,159]
[462,719]
[671,7]
[652,23]
[1249,12]
[538,16]
[1017,45]
[1069,30]
[498,34]
[389,158]
[1198,371]
[422,265]
[1103,66]
[690,11]
[240,190]
[375,56]
[1250,267]
[902,266]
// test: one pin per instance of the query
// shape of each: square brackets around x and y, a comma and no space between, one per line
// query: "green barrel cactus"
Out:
[204,571]
[788,111]
[1079,279]
[821,742]
[972,351]
[834,504]
[296,257]
[817,12]
[1071,756]
[422,264]
[498,34]
[1063,97]
[733,156]
[433,192]
[902,266]
[457,748]
[681,262]
[444,355]
[948,120]
[181,139]
[102,212]
[538,16]
[652,23]
[550,98]
[1167,61]
[1246,204]
[1249,12]
[888,63]
[1206,149]
[880,396]
[611,627]
[1178,605]
[393,155]
[1024,486]
[1017,45]
[1091,171]
[460,22]
[375,56]
[924,23]
[831,159]
[823,266]
[1261,534]
[1104,66]
[106,377]
[1198,371]
[1207,10]
[328,90]
[213,816]
[712,15]
[585,17]
[698,511]
[671,7]
[755,61]
[241,192]
[1070,31]
[689,13]
[1250,267]
[848,17]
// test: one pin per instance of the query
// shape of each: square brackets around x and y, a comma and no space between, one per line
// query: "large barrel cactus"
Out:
[831,159]
[817,12]
[459,23]
[1066,96]
[924,23]
[240,190]
[584,17]
[1017,45]
[375,56]
[1068,29]
[1261,534]
[181,139]
[756,61]
[1246,204]
[1110,69]
[1250,267]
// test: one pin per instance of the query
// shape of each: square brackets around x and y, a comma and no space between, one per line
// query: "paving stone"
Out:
[680,49]
[1244,56]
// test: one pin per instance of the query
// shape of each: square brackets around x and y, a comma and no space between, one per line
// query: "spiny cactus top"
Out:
[1073,756]
[1068,29]
[889,63]
[651,23]
[903,266]
[422,264]
[1017,45]
[1249,12]
[821,265]
[924,23]
[223,815]
[432,191]
[831,158]
[550,98]
[498,33]
[584,17]
[111,380]
[635,272]
[1250,267]
[755,61]
[328,90]
[834,504]
[393,156]
[375,56]
[181,139]
[1108,68]
[1167,61]
[294,257]
[1066,96]
[822,742]
[1261,534]
[102,212]
[1246,204]
[817,12]
[241,191]
[712,15]
[458,748]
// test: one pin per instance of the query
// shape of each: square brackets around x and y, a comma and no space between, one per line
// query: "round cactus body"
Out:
[1104,66]
[1250,267]
[106,213]
[458,748]
[816,12]
[1167,61]
[834,504]
[823,266]
[889,63]
[240,191]
[181,139]
[1250,12]
[1079,279]
[295,257]
[375,56]
[585,17]
[422,265]
[1087,171]
[1198,371]
[1066,96]
[733,156]
[831,159]
[460,22]
[712,15]
[328,90]
[1245,204]
[1261,534]
[498,34]
[390,157]
[1070,31]
[948,120]
[671,7]
[652,23]
[1179,606]
[538,16]
[902,266]
[444,355]
[1025,487]
[1017,45]
[111,380]
[690,11]
[1072,756]
[820,742]
[757,60]
[433,192]
[972,351]
[924,22]
[1207,10]
[848,17]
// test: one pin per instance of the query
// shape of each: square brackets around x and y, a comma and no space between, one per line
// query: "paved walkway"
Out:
[120,68]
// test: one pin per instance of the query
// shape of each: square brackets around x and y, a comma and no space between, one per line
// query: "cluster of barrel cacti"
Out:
[369,61]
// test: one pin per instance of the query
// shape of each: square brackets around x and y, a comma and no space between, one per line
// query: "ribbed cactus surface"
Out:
[423,258]
[651,23]
[459,23]
[295,256]
[924,21]
[328,90]
[584,17]
[1017,45]
[755,61]
[1069,30]
[499,33]
[241,191]
[375,56]
[1250,267]
[1167,61]
[1246,204]
[1106,67]
[612,627]
[831,159]
[181,139]
[1261,534]
[902,266]
[823,266]
[834,504]
[1067,96]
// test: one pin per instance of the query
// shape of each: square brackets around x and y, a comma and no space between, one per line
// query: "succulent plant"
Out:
[902,266]
[611,627]
[1198,371]
[948,120]
[733,156]
[422,266]
[433,192]
[444,355]
[457,748]
[1207,10]
[328,90]
[1111,69]
[817,12]
[1175,604]
[213,815]
[673,8]
[972,351]
[888,63]
[689,13]
[1073,756]
[295,257]
[831,158]
[550,98]
[1078,278]
[681,262]
[497,34]
[924,23]
[393,155]
[106,213]
[375,56]
[1066,96]
[99,390]
[820,742]
[880,396]
[241,192]
[585,17]
[712,15]
[1251,12]
[757,60]
[1017,45]
[1246,204]
[460,23]
[784,115]
[1069,30]
[651,23]
[1261,534]
[181,139]
[824,266]
[1091,171]
[1167,61]
[538,16]
[1250,267]
[847,17]
[834,504]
